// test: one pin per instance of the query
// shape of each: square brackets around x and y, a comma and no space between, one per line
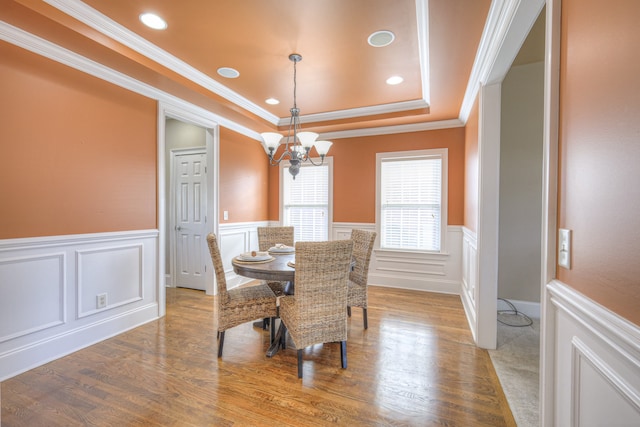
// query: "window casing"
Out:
[306,202]
[411,200]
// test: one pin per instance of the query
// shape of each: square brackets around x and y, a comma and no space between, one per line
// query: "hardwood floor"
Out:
[415,365]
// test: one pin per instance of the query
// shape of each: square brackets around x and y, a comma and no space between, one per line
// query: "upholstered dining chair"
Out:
[316,313]
[238,305]
[357,291]
[268,237]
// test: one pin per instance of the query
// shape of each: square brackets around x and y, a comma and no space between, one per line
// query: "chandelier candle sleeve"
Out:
[297,144]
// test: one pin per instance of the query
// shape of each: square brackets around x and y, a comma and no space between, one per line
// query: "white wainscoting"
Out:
[398,269]
[468,290]
[48,290]
[234,239]
[596,362]
[409,270]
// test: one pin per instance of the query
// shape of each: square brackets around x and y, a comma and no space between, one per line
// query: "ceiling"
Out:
[341,78]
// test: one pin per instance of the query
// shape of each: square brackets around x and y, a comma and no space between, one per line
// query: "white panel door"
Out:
[190,220]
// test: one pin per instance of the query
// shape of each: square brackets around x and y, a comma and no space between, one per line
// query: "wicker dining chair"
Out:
[268,237]
[357,290]
[238,305]
[317,312]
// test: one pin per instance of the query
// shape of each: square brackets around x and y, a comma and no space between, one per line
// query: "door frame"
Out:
[517,18]
[175,152]
[524,13]
[198,117]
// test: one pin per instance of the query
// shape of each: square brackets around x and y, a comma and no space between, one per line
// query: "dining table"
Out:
[277,268]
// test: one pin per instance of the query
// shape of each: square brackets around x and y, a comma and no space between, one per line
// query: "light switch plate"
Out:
[564,248]
[225,215]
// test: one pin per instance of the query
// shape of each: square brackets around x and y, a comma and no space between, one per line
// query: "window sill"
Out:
[411,253]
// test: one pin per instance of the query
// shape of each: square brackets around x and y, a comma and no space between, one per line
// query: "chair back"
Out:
[362,247]
[221,279]
[268,237]
[322,273]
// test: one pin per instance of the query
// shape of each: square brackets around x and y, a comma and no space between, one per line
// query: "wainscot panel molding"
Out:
[433,272]
[49,289]
[468,291]
[399,269]
[597,362]
[234,239]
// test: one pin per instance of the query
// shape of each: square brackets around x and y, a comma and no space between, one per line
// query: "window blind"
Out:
[411,202]
[306,202]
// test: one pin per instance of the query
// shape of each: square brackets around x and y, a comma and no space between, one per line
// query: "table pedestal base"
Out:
[275,343]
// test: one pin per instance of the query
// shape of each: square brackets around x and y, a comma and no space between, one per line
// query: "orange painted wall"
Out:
[599,197]
[471,170]
[78,155]
[243,178]
[354,172]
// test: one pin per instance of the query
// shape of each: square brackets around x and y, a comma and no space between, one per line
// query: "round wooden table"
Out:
[276,270]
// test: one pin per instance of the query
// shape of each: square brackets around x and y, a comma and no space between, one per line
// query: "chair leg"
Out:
[343,354]
[300,363]
[349,311]
[364,317]
[220,343]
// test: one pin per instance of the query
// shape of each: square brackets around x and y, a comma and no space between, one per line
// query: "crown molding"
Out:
[389,130]
[359,112]
[99,22]
[422,15]
[485,55]
[500,13]
[42,47]
[504,32]
[45,48]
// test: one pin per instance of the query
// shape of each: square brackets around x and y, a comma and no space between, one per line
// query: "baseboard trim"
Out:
[528,308]
[32,355]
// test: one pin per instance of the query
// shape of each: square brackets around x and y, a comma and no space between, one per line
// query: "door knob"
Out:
[178,228]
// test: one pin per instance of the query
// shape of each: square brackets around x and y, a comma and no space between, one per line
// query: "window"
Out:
[306,201]
[411,199]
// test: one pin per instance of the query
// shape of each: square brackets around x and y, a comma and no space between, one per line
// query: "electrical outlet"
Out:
[225,215]
[101,300]
[564,248]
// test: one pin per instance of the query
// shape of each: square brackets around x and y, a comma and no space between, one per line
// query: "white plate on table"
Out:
[282,249]
[259,256]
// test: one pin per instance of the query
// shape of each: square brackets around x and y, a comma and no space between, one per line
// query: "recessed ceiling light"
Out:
[381,38]
[230,73]
[394,80]
[152,20]
[272,101]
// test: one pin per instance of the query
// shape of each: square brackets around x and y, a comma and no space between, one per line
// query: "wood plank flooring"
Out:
[416,365]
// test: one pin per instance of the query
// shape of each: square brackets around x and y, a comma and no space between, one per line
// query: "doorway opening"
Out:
[517,357]
[184,131]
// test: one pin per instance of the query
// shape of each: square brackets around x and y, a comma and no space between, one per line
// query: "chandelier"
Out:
[297,144]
